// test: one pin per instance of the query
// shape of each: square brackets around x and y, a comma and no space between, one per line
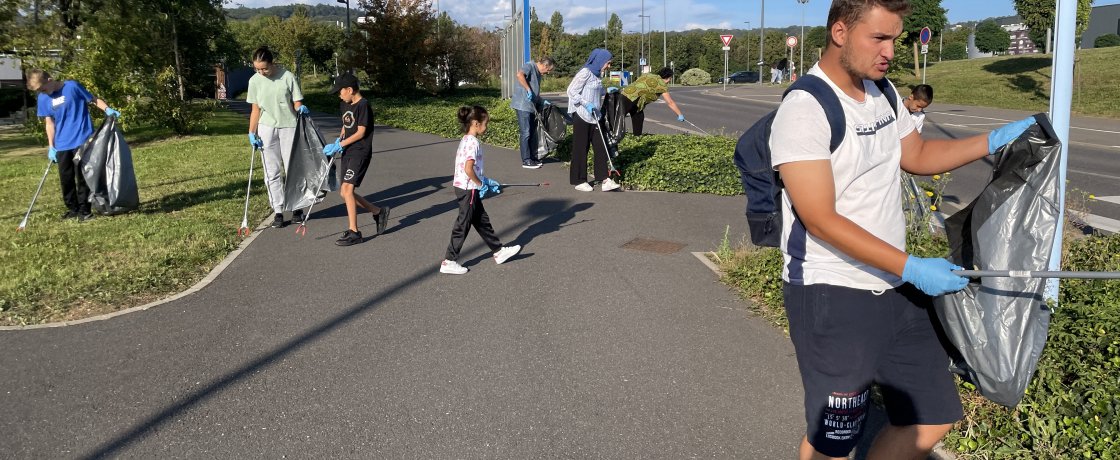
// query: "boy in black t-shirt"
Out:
[355,143]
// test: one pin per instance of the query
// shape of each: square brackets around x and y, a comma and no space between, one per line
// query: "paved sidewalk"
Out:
[577,347]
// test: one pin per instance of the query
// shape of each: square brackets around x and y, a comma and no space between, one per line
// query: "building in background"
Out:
[1021,42]
[1103,20]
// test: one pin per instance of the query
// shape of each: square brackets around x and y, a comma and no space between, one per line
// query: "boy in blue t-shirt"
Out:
[63,106]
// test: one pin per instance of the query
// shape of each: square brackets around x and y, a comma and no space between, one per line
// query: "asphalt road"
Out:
[1093,158]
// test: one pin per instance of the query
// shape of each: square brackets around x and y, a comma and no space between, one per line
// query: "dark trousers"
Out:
[75,193]
[637,117]
[585,134]
[471,213]
[527,132]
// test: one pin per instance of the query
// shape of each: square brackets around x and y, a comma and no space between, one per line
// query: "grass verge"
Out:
[192,193]
[1023,82]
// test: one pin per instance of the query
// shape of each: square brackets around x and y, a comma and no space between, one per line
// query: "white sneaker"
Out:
[609,185]
[585,187]
[505,253]
[452,267]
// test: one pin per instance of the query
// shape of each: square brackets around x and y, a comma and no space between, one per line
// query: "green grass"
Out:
[192,193]
[1023,82]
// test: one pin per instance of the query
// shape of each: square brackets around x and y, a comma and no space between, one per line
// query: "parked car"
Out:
[742,76]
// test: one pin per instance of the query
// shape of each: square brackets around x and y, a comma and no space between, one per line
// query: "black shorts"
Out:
[353,168]
[846,339]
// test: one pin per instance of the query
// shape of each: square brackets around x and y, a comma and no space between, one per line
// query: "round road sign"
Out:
[925,35]
[791,41]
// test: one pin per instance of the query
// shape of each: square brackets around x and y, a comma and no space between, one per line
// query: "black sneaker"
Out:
[382,219]
[85,217]
[530,164]
[352,238]
[345,235]
[297,215]
[69,215]
[278,221]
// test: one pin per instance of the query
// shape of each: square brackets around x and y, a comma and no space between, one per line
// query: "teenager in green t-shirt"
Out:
[646,89]
[277,104]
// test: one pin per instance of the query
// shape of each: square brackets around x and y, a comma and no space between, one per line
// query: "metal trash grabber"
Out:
[302,229]
[35,197]
[244,230]
[697,127]
[1037,274]
[542,184]
[610,163]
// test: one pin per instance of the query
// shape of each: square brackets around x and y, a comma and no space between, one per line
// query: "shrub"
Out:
[695,77]
[674,163]
[955,51]
[1106,40]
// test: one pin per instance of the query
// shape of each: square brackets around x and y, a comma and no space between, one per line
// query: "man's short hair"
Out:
[851,12]
[922,93]
[547,61]
[665,72]
[36,78]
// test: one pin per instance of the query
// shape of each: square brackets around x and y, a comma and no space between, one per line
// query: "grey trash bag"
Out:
[307,168]
[552,127]
[106,164]
[999,325]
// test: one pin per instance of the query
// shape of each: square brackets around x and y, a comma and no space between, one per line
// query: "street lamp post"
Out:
[664,40]
[642,39]
[761,43]
[801,60]
[347,2]
[745,35]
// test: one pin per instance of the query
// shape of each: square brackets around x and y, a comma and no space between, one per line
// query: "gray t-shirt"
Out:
[533,76]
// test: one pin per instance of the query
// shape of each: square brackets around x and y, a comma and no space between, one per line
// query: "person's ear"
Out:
[839,33]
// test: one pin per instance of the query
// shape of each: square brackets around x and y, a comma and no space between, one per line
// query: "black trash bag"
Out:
[999,325]
[307,169]
[552,127]
[106,164]
[614,120]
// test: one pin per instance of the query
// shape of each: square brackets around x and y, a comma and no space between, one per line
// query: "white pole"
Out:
[664,38]
[1061,99]
[761,43]
[925,62]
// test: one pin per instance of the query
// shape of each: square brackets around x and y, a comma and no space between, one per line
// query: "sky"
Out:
[581,15]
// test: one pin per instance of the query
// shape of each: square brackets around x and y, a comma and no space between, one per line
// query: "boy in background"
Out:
[920,98]
[355,143]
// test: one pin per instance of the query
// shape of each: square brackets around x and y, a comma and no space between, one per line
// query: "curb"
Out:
[217,270]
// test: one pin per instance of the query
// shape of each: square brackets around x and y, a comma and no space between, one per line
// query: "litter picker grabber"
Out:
[23,224]
[302,229]
[1037,274]
[542,184]
[697,127]
[610,163]
[244,230]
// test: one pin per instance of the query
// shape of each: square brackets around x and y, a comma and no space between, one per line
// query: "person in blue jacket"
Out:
[64,108]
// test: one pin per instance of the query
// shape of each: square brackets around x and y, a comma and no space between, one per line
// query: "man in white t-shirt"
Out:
[854,320]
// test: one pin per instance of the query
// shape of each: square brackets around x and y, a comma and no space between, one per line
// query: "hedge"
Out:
[1071,406]
[695,77]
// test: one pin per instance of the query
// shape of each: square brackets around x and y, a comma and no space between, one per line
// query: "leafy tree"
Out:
[1038,15]
[556,24]
[923,13]
[991,38]
[815,38]
[536,26]
[1106,40]
[394,46]
[614,27]
[955,51]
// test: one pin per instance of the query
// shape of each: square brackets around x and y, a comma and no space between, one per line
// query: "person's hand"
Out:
[529,95]
[255,141]
[53,155]
[333,148]
[111,112]
[1007,133]
[612,89]
[680,118]
[546,102]
[303,110]
[489,187]
[934,276]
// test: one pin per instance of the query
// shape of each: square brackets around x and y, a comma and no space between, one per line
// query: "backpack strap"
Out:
[888,90]
[823,93]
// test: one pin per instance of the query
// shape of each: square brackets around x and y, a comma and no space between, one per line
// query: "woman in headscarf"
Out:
[585,95]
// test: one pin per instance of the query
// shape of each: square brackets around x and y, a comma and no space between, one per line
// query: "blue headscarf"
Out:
[595,61]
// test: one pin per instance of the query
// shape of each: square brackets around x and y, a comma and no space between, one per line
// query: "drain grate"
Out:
[651,245]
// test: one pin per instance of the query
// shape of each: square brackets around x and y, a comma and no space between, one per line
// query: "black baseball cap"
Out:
[345,80]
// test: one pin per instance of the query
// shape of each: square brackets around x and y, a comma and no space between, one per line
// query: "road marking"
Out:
[1110,199]
[1087,173]
[1001,120]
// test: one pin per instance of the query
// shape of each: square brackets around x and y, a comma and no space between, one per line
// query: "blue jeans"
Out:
[527,128]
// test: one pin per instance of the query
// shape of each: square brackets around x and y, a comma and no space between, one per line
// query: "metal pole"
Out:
[746,39]
[925,63]
[1037,274]
[801,60]
[1060,105]
[642,39]
[725,70]
[664,39]
[525,27]
[761,43]
[606,23]
[941,42]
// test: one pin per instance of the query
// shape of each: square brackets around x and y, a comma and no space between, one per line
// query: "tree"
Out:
[1038,15]
[923,13]
[536,26]
[614,27]
[394,46]
[556,24]
[991,38]
[1106,40]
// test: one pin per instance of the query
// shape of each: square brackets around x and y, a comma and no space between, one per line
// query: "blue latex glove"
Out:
[333,148]
[612,89]
[53,155]
[529,95]
[303,110]
[1007,133]
[933,276]
[490,187]
[680,118]
[255,141]
[590,106]
[111,112]
[546,102]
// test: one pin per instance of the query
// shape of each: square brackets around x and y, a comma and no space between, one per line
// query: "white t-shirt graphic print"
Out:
[865,170]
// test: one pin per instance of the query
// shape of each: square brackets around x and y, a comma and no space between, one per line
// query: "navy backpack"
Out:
[761,182]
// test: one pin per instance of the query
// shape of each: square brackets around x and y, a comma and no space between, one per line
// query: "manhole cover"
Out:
[651,245]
